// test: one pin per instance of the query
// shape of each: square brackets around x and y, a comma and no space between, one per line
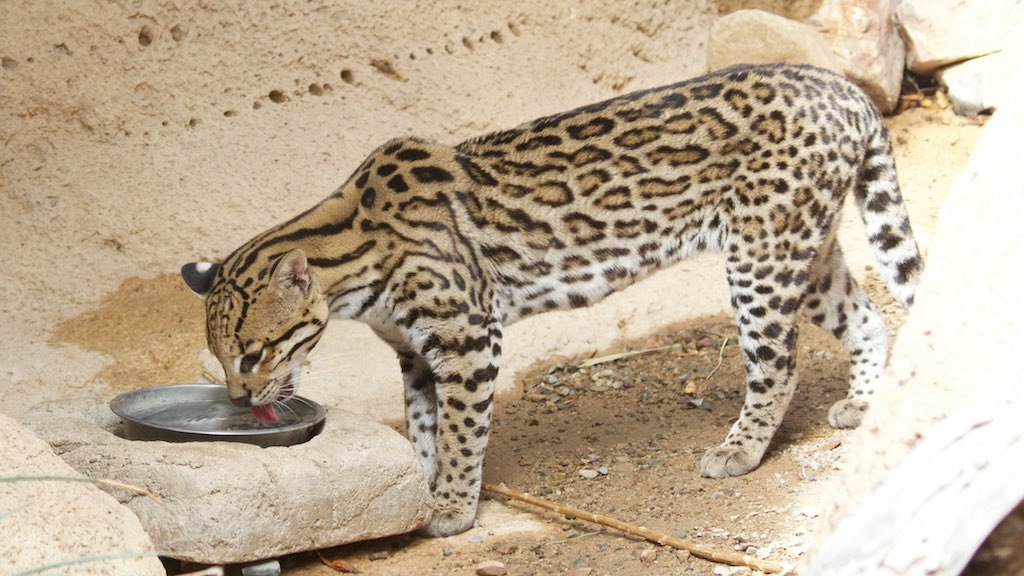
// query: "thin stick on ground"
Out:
[721,356]
[621,355]
[721,556]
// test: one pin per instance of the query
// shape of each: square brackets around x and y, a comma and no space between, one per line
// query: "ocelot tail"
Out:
[439,247]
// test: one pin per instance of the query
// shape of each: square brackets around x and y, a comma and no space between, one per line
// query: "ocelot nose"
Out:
[242,401]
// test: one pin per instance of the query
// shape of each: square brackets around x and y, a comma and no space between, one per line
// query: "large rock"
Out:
[978,85]
[940,32]
[863,34]
[954,375]
[758,37]
[47,521]
[221,502]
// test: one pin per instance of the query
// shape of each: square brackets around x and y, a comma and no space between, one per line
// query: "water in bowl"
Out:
[207,416]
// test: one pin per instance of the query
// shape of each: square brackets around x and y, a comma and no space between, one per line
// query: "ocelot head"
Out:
[261,321]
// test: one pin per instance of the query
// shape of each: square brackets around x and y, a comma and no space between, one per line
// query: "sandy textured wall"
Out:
[137,135]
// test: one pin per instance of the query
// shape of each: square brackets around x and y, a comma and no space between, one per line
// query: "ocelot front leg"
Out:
[420,410]
[461,357]
[766,297]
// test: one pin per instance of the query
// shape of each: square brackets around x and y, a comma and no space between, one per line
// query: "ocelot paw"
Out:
[728,460]
[449,523]
[847,413]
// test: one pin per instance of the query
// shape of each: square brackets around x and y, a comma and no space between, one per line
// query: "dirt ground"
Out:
[619,433]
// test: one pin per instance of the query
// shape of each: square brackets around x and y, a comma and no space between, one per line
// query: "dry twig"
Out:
[721,356]
[721,556]
[620,355]
[337,564]
[210,571]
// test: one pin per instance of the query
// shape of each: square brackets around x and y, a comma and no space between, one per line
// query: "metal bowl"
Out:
[203,412]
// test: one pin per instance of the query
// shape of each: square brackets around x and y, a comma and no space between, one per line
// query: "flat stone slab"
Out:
[223,502]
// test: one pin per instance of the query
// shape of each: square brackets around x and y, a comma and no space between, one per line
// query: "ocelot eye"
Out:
[249,361]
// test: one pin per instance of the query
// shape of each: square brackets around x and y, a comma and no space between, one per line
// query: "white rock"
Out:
[939,32]
[810,511]
[977,85]
[588,473]
[758,37]
[223,502]
[957,354]
[44,522]
[864,36]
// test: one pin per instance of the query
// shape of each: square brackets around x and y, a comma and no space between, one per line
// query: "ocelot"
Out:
[438,247]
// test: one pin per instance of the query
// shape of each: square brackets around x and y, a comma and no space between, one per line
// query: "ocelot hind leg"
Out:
[766,298]
[837,303]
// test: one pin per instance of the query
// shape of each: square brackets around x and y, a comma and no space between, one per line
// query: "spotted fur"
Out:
[439,247]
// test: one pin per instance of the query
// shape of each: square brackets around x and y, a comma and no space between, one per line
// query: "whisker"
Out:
[317,352]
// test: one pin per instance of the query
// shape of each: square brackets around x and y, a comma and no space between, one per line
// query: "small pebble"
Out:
[447,551]
[267,568]
[379,555]
[491,568]
[476,538]
[588,473]
[809,511]
[648,555]
[603,470]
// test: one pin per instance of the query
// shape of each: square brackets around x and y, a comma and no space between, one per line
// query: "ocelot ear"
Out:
[199,276]
[293,273]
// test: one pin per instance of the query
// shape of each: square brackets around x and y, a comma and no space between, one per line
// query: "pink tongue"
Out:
[265,413]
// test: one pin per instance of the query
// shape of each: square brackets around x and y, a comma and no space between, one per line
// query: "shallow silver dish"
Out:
[203,412]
